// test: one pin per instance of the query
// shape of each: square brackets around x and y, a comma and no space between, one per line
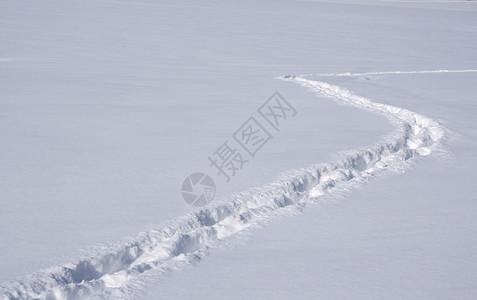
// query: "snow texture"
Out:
[118,271]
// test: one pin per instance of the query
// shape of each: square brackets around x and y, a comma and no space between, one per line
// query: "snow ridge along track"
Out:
[120,271]
[391,73]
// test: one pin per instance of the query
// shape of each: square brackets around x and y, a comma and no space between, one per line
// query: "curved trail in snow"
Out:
[390,73]
[121,271]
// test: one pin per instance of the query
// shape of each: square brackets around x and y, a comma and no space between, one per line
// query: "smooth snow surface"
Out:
[105,108]
[117,271]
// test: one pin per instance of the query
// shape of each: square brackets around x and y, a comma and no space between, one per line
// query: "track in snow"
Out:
[390,73]
[120,271]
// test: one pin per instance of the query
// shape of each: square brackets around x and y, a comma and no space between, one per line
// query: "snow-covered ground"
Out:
[106,108]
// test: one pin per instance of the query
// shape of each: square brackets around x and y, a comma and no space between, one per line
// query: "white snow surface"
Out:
[106,107]
[114,272]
